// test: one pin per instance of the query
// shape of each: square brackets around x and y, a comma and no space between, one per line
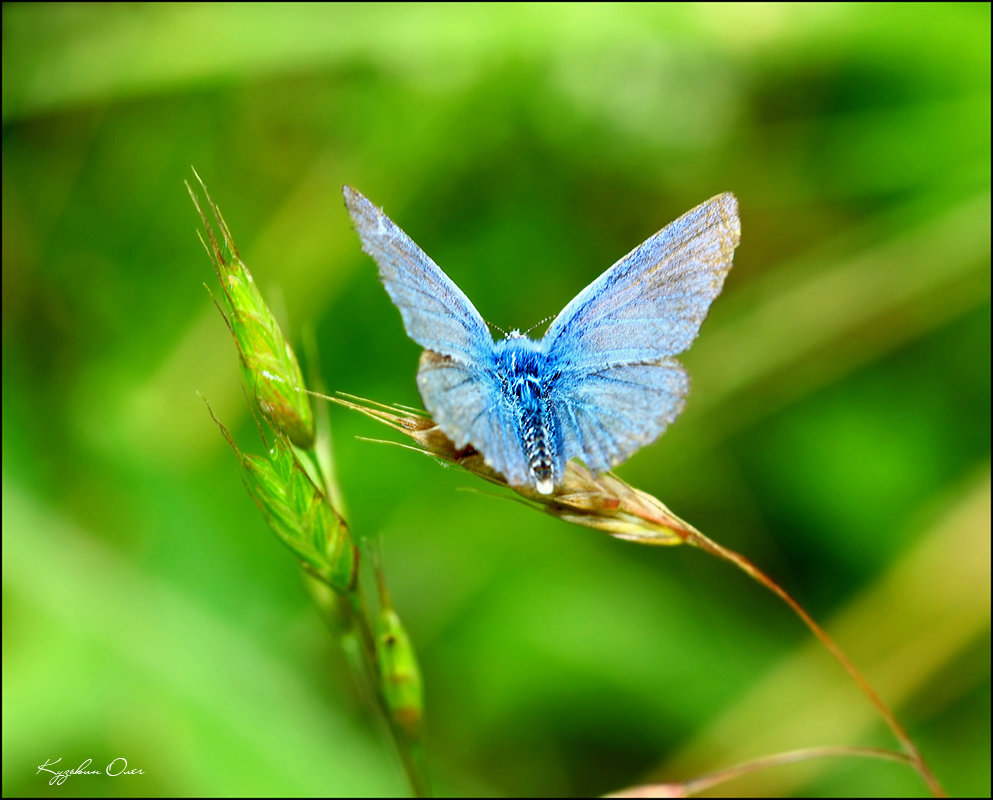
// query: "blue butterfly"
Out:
[601,383]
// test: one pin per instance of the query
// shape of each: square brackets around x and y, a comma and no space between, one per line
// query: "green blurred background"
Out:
[837,432]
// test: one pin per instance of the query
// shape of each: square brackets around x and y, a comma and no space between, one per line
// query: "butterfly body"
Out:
[516,386]
[527,378]
[600,384]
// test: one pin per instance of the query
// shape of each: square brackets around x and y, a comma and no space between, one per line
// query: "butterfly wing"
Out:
[606,415]
[618,385]
[456,376]
[470,408]
[436,313]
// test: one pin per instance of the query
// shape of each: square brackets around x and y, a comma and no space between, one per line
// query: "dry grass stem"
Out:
[609,504]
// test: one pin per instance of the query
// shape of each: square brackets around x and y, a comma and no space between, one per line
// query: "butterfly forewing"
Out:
[651,303]
[436,313]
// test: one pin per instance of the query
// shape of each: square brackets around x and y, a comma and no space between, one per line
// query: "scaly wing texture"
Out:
[651,303]
[604,415]
[618,386]
[436,313]
[469,407]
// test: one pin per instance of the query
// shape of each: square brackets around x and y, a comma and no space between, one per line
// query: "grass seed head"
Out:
[269,364]
[299,513]
[399,672]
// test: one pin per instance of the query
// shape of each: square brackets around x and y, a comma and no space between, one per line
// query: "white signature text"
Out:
[119,766]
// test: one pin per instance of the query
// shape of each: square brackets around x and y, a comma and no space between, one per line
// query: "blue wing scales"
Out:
[607,415]
[467,404]
[436,313]
[652,301]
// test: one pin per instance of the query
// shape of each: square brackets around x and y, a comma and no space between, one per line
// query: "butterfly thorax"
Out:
[524,375]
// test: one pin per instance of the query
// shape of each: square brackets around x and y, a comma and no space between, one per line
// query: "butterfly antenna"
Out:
[538,324]
[498,328]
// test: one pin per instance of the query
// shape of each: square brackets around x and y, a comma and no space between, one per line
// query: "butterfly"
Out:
[601,383]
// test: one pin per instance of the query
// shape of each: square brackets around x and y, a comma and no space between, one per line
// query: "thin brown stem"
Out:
[705,782]
[915,759]
[709,781]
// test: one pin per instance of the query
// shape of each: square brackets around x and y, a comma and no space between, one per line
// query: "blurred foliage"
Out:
[837,433]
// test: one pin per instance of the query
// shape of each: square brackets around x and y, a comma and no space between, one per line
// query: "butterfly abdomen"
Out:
[524,378]
[537,438]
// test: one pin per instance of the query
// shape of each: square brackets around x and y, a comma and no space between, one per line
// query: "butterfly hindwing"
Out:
[606,415]
[469,407]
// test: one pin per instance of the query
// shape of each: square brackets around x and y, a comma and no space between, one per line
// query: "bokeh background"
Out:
[837,431]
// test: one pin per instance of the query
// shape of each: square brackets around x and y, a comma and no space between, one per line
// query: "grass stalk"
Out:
[295,488]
